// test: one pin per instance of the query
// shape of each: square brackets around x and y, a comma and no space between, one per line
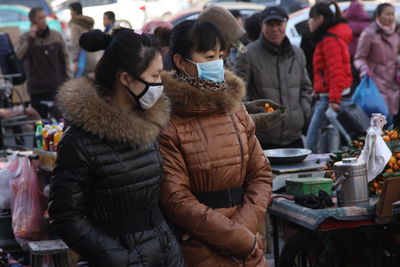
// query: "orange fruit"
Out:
[270,109]
[266,106]
[398,162]
[394,135]
[395,167]
[398,155]
[389,170]
[392,159]
[386,138]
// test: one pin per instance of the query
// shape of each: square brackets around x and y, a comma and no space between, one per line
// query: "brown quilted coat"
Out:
[210,145]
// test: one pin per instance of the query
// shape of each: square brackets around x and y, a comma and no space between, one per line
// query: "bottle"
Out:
[58,136]
[62,124]
[50,137]
[38,135]
[46,129]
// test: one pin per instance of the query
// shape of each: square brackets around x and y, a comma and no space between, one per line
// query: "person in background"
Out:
[163,35]
[230,28]
[238,16]
[104,195]
[46,60]
[331,65]
[82,61]
[211,155]
[162,30]
[377,55]
[358,19]
[274,69]
[151,26]
[232,33]
[252,27]
[108,21]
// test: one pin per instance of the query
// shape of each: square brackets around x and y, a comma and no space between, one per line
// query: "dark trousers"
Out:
[43,110]
[296,144]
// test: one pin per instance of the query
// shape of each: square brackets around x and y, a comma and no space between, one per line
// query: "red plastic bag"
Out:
[28,203]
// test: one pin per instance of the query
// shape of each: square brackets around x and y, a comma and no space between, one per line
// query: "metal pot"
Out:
[286,155]
[352,184]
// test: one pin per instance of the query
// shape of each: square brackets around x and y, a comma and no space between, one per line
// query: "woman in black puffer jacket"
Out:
[105,190]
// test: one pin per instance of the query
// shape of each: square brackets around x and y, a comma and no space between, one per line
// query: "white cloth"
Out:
[375,152]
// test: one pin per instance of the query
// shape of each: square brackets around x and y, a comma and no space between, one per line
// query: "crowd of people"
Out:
[162,162]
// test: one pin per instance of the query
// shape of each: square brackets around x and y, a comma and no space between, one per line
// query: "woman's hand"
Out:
[334,106]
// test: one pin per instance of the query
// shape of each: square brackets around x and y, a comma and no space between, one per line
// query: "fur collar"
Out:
[83,107]
[83,21]
[189,101]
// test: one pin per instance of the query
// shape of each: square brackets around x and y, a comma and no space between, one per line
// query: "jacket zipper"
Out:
[240,143]
[280,93]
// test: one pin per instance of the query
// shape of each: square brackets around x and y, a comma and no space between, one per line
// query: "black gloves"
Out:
[262,119]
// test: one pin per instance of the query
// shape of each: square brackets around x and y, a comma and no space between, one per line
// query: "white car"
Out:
[298,21]
[136,12]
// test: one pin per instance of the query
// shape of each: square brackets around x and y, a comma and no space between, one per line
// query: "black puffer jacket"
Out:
[104,194]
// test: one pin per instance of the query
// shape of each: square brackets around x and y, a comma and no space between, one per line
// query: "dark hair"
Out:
[77,7]
[252,26]
[194,35]
[163,34]
[379,9]
[125,50]
[110,15]
[33,12]
[326,12]
[236,13]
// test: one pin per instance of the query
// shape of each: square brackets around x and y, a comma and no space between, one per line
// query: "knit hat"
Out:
[227,24]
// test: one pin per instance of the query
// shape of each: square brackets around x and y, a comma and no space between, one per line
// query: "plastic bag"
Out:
[28,203]
[9,171]
[368,98]
[375,152]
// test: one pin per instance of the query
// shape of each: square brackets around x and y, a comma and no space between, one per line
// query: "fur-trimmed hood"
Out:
[188,100]
[81,105]
[83,21]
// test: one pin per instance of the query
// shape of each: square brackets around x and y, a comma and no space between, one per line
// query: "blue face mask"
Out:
[211,70]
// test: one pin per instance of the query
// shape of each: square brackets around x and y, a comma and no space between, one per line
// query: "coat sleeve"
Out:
[363,50]
[24,43]
[76,32]
[183,209]
[242,67]
[64,57]
[333,57]
[257,185]
[305,88]
[68,200]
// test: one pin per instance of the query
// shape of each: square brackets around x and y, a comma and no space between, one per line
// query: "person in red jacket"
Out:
[331,66]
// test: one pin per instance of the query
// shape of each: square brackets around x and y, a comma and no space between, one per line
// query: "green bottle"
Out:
[38,135]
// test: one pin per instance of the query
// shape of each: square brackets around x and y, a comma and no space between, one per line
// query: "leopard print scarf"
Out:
[201,84]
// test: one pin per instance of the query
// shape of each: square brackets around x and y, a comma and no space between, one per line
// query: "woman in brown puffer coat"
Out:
[217,181]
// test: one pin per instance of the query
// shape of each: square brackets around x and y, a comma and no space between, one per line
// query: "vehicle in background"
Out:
[290,5]
[18,15]
[133,11]
[136,12]
[298,21]
[245,9]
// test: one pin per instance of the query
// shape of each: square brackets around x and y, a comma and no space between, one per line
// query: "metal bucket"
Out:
[352,184]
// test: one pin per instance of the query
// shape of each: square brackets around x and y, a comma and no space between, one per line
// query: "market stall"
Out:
[24,184]
[346,215]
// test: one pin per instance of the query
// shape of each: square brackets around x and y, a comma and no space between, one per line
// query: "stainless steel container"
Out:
[352,184]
